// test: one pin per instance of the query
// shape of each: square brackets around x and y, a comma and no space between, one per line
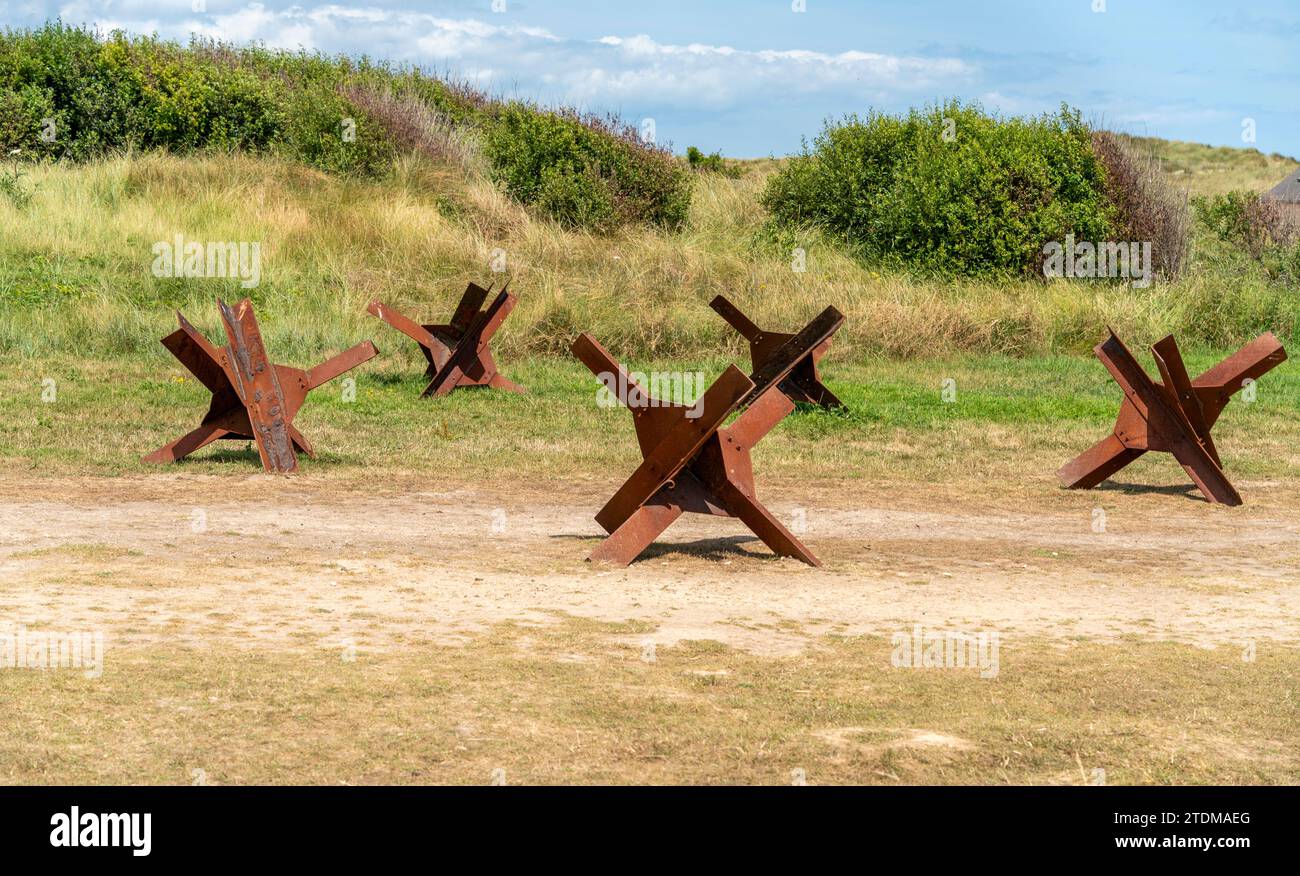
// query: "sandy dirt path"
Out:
[257,561]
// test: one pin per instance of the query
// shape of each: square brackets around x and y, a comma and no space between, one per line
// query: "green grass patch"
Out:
[1013,418]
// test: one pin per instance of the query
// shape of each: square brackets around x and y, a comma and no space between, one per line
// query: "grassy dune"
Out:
[1213,170]
[75,267]
[79,305]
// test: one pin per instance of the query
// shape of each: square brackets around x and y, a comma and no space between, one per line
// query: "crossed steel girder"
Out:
[252,398]
[1174,416]
[690,462]
[458,352]
[803,383]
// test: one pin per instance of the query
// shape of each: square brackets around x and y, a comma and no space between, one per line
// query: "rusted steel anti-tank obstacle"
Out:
[691,463]
[1174,416]
[252,398]
[458,352]
[804,382]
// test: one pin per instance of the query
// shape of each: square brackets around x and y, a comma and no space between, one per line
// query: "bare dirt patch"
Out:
[308,561]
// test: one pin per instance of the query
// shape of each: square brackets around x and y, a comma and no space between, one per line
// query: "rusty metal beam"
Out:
[253,399]
[433,347]
[676,448]
[786,360]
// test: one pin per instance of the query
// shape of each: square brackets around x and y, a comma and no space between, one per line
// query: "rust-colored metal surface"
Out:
[690,462]
[801,381]
[252,398]
[1174,416]
[458,352]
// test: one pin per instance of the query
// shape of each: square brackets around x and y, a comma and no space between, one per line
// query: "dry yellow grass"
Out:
[583,702]
[82,252]
[1211,170]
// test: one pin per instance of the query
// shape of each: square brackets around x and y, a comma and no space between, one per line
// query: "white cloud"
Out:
[718,74]
[610,72]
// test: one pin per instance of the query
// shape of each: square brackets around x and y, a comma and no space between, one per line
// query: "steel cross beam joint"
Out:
[691,463]
[253,399]
[1174,416]
[458,352]
[801,381]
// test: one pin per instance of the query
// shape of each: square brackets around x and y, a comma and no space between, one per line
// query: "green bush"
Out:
[22,115]
[57,73]
[711,163]
[328,132]
[577,200]
[949,190]
[1225,216]
[126,92]
[582,171]
[12,187]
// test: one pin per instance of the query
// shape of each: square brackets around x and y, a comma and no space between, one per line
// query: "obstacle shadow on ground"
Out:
[1187,491]
[727,547]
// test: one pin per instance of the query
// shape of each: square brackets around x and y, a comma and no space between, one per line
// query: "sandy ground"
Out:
[256,561]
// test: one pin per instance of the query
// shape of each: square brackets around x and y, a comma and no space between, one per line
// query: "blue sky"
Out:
[753,77]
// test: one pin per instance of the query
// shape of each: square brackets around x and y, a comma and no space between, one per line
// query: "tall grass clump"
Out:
[418,125]
[949,190]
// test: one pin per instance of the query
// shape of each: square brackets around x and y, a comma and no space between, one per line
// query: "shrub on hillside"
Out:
[711,163]
[457,102]
[949,190]
[55,74]
[336,114]
[22,115]
[1247,219]
[1149,208]
[326,131]
[415,123]
[1250,226]
[583,171]
[92,96]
